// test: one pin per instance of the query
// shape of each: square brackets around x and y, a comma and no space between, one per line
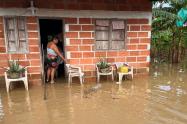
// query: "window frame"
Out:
[110,30]
[16,33]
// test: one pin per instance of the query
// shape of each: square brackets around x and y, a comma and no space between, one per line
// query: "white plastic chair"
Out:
[24,79]
[120,74]
[107,73]
[74,71]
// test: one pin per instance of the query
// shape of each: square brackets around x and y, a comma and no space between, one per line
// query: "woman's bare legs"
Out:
[48,73]
[52,74]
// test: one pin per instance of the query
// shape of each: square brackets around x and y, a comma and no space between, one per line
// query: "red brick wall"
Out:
[115,5]
[79,35]
[79,40]
[32,59]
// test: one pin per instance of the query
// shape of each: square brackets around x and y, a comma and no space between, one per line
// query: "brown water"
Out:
[160,98]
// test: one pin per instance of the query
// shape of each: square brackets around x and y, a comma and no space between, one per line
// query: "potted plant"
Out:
[15,70]
[103,66]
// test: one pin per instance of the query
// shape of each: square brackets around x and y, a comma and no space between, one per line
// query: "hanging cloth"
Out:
[183,15]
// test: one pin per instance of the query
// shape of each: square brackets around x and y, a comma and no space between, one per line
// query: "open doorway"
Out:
[48,29]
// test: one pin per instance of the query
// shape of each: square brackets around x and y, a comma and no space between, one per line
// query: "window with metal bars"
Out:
[16,34]
[110,34]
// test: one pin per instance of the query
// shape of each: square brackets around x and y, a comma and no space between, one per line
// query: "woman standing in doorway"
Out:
[52,54]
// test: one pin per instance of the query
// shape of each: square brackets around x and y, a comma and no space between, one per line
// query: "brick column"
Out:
[3,55]
[33,56]
[79,44]
[139,37]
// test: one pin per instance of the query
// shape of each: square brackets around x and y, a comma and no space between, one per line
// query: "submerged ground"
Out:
[160,98]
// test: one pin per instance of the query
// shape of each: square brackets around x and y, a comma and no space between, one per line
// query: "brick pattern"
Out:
[79,40]
[2,42]
[114,5]
[79,47]
[32,59]
[79,36]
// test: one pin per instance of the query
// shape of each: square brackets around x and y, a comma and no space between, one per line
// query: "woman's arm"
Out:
[55,48]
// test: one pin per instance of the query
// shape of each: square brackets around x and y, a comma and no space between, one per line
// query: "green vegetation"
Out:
[15,70]
[168,41]
[103,64]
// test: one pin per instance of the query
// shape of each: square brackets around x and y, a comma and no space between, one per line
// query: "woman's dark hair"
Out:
[55,38]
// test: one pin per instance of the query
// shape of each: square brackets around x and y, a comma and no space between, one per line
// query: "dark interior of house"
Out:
[48,29]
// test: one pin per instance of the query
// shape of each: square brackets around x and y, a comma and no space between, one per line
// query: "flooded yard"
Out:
[160,98]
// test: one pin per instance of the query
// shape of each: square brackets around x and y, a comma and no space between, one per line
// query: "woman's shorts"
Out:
[52,62]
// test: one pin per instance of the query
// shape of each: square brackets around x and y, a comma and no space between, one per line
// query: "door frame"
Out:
[63,40]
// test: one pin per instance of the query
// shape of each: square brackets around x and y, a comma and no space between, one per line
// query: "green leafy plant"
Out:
[15,70]
[103,64]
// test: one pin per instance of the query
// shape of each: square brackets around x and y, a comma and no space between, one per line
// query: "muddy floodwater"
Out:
[160,98]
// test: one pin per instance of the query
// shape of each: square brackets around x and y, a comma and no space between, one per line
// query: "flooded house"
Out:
[119,30]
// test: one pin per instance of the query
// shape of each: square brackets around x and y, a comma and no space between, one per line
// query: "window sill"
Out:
[17,52]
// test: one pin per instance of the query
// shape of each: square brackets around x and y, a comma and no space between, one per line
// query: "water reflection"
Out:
[155,99]
[11,100]
[1,110]
[87,92]
[168,96]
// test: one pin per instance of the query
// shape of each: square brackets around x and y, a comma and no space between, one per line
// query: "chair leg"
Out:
[80,77]
[7,86]
[98,78]
[69,80]
[132,76]
[120,78]
[26,84]
[112,77]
